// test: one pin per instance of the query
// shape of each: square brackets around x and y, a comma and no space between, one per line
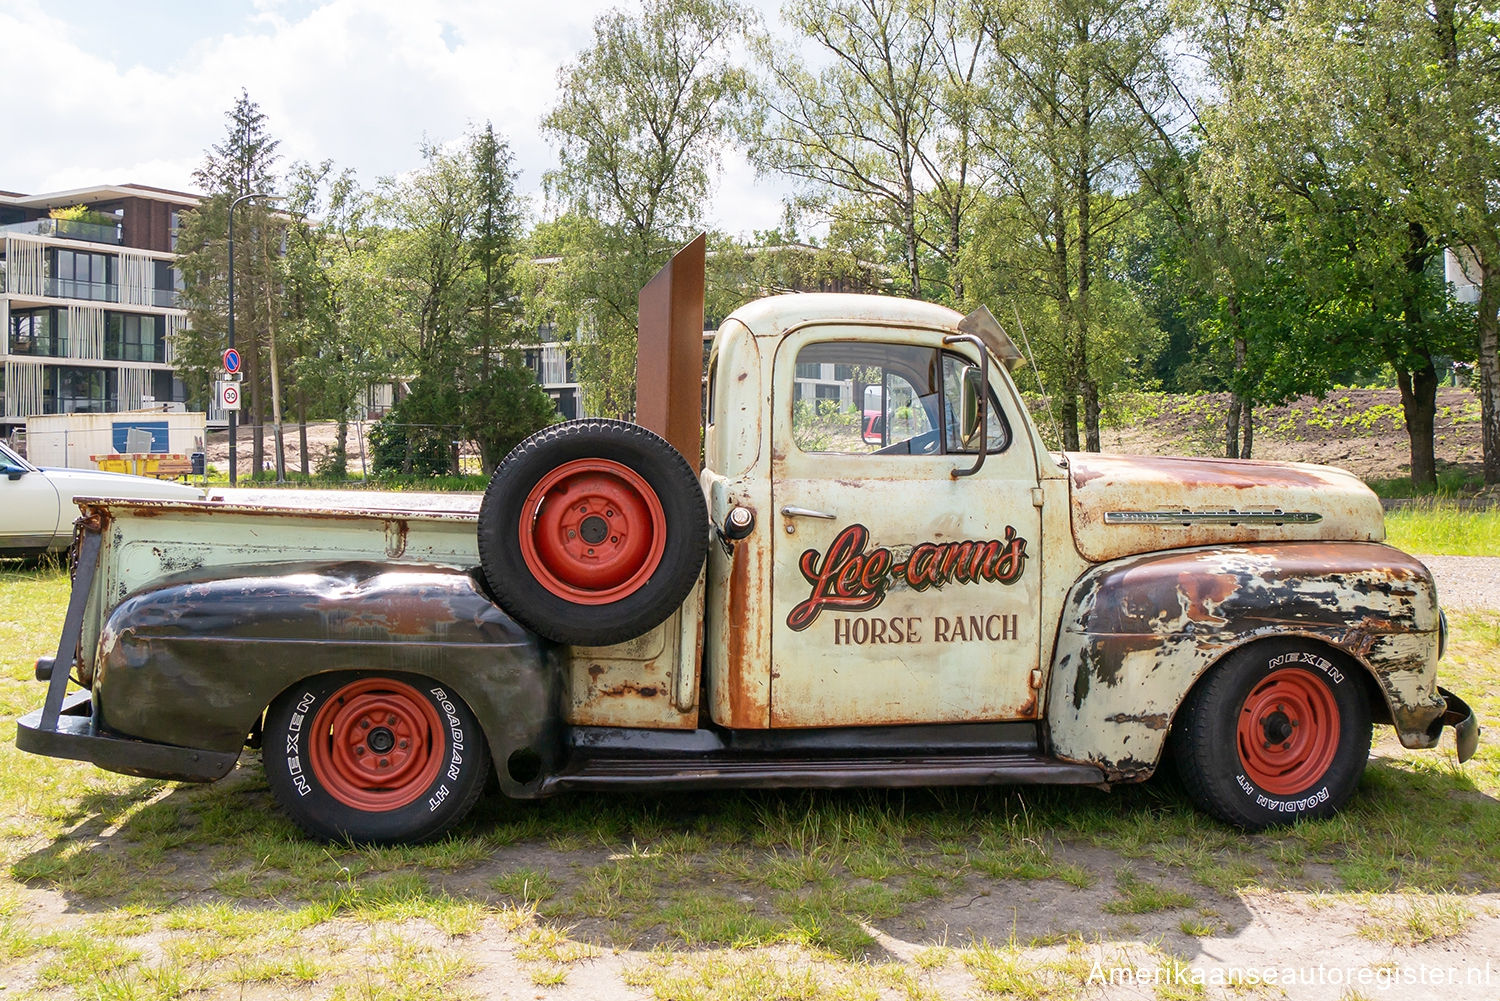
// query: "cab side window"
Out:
[872,398]
[859,397]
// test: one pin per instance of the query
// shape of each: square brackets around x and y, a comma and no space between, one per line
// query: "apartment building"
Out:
[89,300]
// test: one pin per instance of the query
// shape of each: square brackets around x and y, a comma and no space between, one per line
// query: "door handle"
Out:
[807,512]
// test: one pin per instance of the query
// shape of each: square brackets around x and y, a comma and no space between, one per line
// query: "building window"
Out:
[39,332]
[167,388]
[78,274]
[77,390]
[167,284]
[132,337]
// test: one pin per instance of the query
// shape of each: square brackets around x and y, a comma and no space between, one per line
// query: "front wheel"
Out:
[373,757]
[1278,732]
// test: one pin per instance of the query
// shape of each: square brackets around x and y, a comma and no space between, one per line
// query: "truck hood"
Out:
[1127,504]
[71,483]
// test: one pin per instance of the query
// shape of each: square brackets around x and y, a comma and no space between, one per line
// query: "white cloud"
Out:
[361,82]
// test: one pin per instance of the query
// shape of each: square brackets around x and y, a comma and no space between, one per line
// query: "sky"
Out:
[109,92]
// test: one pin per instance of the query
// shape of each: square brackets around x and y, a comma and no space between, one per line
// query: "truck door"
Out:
[901,594]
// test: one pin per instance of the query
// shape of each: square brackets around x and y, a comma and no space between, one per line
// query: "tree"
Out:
[242,164]
[339,307]
[450,258]
[1461,45]
[884,133]
[1072,96]
[1331,123]
[640,121]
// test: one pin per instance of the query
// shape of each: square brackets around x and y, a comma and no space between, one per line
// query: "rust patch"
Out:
[741,695]
[1234,474]
[1203,591]
[1155,721]
[595,670]
[629,688]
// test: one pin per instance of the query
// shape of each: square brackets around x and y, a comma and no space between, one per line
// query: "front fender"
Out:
[1138,632]
[193,662]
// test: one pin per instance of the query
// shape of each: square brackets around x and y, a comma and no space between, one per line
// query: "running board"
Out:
[599,773]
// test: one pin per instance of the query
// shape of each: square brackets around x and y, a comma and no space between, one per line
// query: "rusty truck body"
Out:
[930,598]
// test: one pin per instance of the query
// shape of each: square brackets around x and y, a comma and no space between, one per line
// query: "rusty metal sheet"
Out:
[637,683]
[1118,501]
[669,352]
[1138,632]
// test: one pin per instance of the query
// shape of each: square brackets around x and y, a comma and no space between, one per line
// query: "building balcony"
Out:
[67,229]
[71,288]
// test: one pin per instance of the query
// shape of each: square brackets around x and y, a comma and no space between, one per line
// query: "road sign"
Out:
[231,360]
[229,395]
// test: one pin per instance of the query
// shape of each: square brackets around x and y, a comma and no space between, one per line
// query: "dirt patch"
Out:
[1361,430]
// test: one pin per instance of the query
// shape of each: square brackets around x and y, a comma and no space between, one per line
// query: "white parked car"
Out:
[36,505]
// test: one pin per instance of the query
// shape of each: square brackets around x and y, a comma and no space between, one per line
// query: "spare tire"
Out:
[592,532]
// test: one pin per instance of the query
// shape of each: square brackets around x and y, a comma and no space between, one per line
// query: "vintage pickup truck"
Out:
[931,598]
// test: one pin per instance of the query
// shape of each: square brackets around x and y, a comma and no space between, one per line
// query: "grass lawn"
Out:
[126,888]
[1443,530]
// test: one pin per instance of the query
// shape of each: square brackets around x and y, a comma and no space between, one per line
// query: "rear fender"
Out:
[195,662]
[1139,632]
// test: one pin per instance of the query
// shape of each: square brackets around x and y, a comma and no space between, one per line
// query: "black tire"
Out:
[1277,732]
[544,569]
[374,757]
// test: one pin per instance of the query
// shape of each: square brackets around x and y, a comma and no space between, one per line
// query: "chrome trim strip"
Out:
[1187,518]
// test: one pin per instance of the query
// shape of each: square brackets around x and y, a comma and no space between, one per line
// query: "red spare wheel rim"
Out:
[1288,731]
[592,531]
[377,745]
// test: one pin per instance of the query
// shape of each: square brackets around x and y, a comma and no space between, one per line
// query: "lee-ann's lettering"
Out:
[846,578]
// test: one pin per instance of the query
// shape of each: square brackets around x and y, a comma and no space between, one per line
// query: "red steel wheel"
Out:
[1278,731]
[592,531]
[1288,731]
[377,744]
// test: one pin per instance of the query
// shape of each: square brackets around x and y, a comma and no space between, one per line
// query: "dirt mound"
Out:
[1361,430]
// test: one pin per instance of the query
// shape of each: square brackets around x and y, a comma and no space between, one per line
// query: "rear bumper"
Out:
[75,736]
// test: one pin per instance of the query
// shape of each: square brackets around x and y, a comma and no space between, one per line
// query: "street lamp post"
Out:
[233,415]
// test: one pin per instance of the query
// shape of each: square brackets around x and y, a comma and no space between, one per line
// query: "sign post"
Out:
[227,389]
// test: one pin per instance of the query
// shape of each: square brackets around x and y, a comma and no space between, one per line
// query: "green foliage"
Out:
[880,127]
[640,121]
[82,213]
[405,442]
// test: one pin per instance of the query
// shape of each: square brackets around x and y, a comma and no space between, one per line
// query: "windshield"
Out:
[9,458]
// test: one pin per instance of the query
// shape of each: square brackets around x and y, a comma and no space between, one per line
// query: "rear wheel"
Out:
[1275,733]
[373,757]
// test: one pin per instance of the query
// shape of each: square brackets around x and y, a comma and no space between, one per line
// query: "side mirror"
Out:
[13,472]
[972,401]
[970,416]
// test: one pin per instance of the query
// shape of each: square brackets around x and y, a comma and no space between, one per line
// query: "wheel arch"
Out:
[197,663]
[1138,634]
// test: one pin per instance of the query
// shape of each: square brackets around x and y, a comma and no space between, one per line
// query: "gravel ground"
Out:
[1466,583]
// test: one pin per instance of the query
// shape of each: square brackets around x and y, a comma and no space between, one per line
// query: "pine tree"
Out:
[241,164]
